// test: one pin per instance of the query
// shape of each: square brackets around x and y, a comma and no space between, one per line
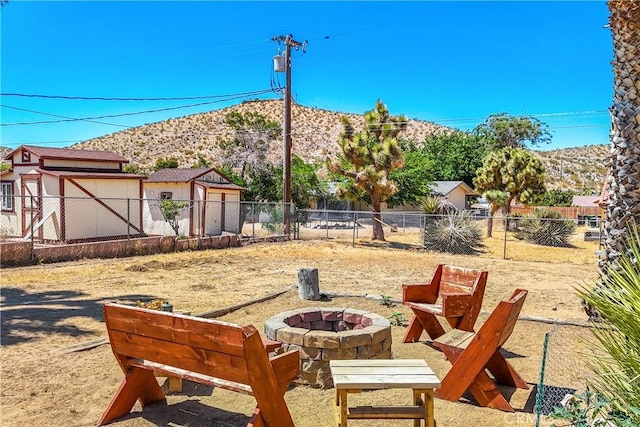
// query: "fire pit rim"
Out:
[277,329]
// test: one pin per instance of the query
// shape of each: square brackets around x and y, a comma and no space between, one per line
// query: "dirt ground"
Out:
[47,309]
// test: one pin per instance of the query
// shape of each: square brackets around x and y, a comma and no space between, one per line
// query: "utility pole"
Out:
[289,42]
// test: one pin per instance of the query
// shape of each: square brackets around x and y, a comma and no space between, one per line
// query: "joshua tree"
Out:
[623,180]
[368,157]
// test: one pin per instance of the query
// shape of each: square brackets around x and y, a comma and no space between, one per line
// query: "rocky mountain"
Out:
[314,133]
[582,169]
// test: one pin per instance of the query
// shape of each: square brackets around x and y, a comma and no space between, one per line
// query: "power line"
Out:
[92,119]
[101,98]
[64,118]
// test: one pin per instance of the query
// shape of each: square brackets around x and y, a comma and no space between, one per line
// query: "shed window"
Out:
[166,195]
[7,196]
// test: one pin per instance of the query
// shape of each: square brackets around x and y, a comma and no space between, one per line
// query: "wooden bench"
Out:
[454,293]
[206,351]
[473,354]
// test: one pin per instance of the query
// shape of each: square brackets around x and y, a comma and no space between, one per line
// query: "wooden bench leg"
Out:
[256,419]
[138,384]
[423,322]
[504,373]
[413,331]
[484,389]
[459,379]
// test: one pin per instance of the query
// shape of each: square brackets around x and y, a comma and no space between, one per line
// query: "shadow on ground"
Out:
[188,413]
[25,316]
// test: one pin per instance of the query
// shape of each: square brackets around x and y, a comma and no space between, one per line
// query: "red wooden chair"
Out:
[473,354]
[454,293]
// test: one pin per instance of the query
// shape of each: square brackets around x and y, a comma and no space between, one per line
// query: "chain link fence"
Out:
[574,240]
[52,221]
[562,371]
[64,224]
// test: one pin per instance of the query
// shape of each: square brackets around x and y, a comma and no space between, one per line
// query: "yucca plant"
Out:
[545,227]
[435,205]
[616,298]
[455,233]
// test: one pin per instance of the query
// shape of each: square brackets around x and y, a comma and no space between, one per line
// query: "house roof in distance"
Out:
[90,175]
[70,154]
[186,175]
[590,201]
[177,175]
[446,187]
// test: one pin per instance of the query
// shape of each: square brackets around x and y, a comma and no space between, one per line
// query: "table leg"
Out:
[341,407]
[428,396]
[419,401]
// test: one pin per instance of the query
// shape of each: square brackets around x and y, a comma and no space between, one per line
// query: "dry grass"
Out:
[48,308]
[580,252]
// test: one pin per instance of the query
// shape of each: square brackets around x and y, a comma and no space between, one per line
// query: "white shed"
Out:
[69,195]
[213,202]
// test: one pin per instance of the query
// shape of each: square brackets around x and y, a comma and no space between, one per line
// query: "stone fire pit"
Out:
[322,334]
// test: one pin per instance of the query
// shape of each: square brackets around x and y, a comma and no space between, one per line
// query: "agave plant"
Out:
[545,227]
[617,298]
[455,233]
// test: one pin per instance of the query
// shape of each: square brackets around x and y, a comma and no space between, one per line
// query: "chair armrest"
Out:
[425,293]
[271,345]
[455,304]
[286,366]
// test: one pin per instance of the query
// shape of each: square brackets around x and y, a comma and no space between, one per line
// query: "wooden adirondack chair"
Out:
[454,293]
[472,354]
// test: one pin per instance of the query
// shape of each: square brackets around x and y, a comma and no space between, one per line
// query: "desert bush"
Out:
[435,205]
[545,227]
[616,297]
[455,233]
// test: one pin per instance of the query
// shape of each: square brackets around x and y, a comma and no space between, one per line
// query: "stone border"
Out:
[368,338]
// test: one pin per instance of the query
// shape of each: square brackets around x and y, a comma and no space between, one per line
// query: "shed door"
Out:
[213,214]
[31,203]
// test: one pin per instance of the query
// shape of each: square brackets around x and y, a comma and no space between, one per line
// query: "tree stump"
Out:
[308,286]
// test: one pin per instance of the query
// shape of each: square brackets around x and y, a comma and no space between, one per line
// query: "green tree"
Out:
[305,184]
[506,175]
[455,156]
[131,168]
[503,130]
[165,163]
[368,158]
[556,198]
[202,162]
[171,210]
[414,178]
[254,134]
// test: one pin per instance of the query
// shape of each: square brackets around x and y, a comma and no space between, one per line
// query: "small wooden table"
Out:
[353,376]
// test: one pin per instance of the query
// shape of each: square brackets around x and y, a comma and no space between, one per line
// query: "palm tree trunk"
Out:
[623,180]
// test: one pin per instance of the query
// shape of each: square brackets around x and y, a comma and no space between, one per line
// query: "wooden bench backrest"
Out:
[206,346]
[503,319]
[460,280]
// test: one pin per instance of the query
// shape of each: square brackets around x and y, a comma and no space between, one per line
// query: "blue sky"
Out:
[454,63]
